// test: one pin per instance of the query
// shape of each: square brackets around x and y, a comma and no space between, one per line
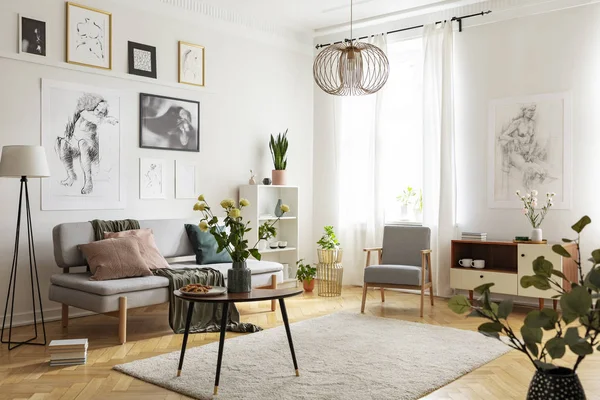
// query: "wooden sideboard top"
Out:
[505,242]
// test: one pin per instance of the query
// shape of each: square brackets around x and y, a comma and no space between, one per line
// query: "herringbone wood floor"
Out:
[25,374]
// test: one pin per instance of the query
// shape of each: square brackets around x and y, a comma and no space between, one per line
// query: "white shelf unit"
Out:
[263,200]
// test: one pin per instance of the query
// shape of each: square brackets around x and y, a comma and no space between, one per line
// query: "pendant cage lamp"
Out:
[351,68]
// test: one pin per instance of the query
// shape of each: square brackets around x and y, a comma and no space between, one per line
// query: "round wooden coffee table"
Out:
[225,299]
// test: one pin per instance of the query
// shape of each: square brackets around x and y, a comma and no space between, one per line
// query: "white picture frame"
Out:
[97,182]
[153,178]
[530,147]
[185,180]
[89,36]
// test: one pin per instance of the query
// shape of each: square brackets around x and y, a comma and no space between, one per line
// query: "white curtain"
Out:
[359,172]
[439,175]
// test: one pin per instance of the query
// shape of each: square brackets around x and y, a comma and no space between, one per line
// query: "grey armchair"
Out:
[404,262]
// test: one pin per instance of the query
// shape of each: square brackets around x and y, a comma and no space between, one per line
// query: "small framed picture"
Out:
[185,180]
[169,123]
[152,178]
[89,36]
[191,64]
[32,36]
[142,59]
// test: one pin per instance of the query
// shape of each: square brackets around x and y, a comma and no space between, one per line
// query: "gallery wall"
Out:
[257,82]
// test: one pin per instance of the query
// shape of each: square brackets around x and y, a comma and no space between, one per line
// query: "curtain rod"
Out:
[459,19]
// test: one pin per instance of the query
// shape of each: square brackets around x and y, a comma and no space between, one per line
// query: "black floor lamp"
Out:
[23,162]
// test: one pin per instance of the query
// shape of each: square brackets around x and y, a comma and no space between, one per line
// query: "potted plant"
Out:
[530,202]
[306,274]
[405,198]
[267,230]
[580,313]
[278,147]
[329,251]
[231,239]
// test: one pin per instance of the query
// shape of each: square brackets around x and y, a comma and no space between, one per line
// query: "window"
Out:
[402,133]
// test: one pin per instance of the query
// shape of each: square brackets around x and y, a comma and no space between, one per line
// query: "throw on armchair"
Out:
[404,262]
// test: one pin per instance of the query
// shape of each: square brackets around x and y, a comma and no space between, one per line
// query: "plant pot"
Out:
[536,235]
[329,256]
[558,384]
[308,287]
[404,211]
[278,176]
[239,278]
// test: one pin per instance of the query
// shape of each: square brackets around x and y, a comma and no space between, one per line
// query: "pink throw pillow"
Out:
[148,249]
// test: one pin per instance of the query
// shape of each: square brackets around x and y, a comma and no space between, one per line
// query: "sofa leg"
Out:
[122,320]
[382,295]
[65,315]
[273,286]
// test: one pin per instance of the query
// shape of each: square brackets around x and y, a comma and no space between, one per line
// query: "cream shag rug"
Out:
[340,356]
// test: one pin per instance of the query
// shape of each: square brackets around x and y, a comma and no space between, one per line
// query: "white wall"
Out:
[256,84]
[546,53]
[520,49]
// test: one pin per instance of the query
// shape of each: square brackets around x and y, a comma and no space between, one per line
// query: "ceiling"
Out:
[319,14]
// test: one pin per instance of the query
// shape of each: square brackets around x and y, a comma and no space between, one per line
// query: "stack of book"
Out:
[68,352]
[474,236]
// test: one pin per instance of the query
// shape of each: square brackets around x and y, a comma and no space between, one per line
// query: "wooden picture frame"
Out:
[191,64]
[89,36]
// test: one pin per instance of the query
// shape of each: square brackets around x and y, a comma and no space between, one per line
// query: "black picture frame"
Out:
[167,123]
[32,36]
[131,47]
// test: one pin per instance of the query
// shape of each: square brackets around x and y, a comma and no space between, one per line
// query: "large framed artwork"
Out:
[169,123]
[185,180]
[152,178]
[82,138]
[529,147]
[32,36]
[191,64]
[89,36]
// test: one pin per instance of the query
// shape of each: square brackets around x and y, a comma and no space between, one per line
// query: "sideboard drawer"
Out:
[468,279]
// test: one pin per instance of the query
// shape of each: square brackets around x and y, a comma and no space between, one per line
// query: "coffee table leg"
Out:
[289,333]
[221,344]
[185,335]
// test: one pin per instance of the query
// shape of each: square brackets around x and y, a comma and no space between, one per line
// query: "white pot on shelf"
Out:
[536,235]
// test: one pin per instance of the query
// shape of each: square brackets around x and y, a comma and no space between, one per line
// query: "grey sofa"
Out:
[115,297]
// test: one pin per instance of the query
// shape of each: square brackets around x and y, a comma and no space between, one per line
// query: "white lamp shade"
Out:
[18,161]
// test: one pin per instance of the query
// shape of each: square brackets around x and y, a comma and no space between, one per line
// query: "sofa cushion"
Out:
[205,246]
[148,249]
[393,274]
[256,267]
[82,282]
[115,258]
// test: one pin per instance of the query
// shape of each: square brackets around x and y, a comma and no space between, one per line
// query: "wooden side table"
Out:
[225,299]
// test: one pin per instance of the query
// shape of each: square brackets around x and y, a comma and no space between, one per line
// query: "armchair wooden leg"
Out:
[431,294]
[422,299]
[364,298]
[122,320]
[65,315]
[382,295]
[273,286]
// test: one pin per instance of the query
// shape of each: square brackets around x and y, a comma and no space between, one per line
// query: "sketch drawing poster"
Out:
[185,180]
[152,178]
[89,33]
[530,148]
[82,137]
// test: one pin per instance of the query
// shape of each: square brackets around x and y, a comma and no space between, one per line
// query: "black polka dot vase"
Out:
[557,384]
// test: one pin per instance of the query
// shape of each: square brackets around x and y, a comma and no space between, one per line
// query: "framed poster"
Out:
[152,178]
[89,36]
[32,36]
[191,64]
[185,180]
[82,138]
[142,59]
[529,148]
[169,123]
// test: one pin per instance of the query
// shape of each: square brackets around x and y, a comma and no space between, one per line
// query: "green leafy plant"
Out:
[328,241]
[407,196]
[231,238]
[306,272]
[279,148]
[419,205]
[579,303]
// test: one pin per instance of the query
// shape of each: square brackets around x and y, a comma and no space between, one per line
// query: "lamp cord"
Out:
[351,17]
